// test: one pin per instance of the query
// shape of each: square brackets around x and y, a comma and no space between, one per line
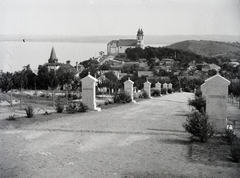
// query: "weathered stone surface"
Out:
[147,88]
[215,90]
[89,92]
[128,87]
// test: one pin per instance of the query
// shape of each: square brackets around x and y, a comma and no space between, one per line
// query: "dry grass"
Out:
[214,152]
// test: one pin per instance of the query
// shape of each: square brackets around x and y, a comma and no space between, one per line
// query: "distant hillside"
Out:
[209,48]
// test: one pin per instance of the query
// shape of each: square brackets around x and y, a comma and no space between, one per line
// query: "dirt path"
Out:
[141,140]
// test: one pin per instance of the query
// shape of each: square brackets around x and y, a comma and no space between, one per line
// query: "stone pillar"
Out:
[215,89]
[165,86]
[158,86]
[147,88]
[128,87]
[89,93]
[170,86]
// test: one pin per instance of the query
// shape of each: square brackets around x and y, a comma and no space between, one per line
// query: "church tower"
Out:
[140,42]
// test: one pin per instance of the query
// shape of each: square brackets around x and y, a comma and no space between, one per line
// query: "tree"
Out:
[6,82]
[42,77]
[52,83]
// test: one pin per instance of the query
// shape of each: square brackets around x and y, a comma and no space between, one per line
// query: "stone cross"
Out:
[215,90]
[147,88]
[128,87]
[89,92]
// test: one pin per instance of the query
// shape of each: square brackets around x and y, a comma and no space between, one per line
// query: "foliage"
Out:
[199,103]
[6,81]
[59,106]
[76,107]
[52,80]
[145,94]
[169,90]
[198,125]
[42,77]
[155,92]
[29,111]
[65,75]
[12,117]
[229,137]
[198,93]
[164,91]
[122,97]
[235,152]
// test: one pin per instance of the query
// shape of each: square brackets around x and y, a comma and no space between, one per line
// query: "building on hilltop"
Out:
[116,47]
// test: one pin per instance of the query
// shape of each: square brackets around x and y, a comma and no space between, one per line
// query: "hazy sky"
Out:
[119,17]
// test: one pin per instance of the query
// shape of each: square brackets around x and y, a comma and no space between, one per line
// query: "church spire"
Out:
[53,57]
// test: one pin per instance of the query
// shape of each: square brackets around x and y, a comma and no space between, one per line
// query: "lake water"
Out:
[14,55]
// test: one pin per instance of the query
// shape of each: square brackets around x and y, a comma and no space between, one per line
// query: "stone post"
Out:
[147,88]
[128,87]
[215,89]
[158,86]
[165,85]
[89,92]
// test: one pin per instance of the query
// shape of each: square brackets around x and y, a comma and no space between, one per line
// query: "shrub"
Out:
[199,103]
[169,90]
[29,111]
[156,92]
[198,93]
[235,152]
[198,125]
[123,97]
[59,106]
[229,137]
[12,117]
[76,107]
[145,94]
[164,91]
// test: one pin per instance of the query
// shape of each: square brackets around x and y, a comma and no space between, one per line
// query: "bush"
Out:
[235,152]
[198,93]
[164,91]
[12,117]
[29,111]
[123,97]
[145,94]
[76,107]
[199,103]
[229,137]
[198,125]
[59,106]
[169,90]
[156,92]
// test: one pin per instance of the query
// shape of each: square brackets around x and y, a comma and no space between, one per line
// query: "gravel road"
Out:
[145,139]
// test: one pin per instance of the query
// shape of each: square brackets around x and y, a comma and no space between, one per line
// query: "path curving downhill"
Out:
[145,139]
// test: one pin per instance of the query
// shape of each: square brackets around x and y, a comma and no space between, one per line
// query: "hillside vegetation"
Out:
[209,48]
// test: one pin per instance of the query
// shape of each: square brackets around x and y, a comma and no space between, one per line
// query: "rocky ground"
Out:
[145,139]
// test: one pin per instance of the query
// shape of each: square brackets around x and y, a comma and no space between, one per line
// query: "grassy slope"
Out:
[209,48]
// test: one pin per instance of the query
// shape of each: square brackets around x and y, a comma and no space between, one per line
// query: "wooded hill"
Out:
[209,48]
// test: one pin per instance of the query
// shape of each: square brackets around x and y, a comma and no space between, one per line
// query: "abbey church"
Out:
[116,47]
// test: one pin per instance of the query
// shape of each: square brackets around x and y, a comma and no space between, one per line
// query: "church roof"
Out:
[127,42]
[53,55]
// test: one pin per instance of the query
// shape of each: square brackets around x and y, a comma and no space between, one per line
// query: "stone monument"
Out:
[215,90]
[89,92]
[147,88]
[158,86]
[128,87]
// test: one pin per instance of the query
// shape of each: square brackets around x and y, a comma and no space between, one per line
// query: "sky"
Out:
[119,17]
